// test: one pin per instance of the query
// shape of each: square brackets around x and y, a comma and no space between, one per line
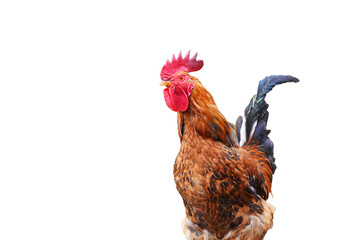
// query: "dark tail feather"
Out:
[256,116]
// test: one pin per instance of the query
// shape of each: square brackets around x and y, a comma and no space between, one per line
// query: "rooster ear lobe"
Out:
[189,89]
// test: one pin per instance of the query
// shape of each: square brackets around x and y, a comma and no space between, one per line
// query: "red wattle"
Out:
[166,94]
[176,98]
[179,98]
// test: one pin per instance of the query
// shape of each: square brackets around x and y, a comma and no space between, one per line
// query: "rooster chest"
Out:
[190,170]
[204,176]
[200,168]
[189,177]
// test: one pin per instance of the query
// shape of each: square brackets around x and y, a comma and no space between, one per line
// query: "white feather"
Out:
[253,128]
[243,129]
[242,133]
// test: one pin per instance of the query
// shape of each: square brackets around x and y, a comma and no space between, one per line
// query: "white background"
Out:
[87,143]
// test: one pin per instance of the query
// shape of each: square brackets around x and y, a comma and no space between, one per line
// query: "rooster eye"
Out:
[181,78]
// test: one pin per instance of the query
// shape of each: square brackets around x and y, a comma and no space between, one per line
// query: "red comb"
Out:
[186,64]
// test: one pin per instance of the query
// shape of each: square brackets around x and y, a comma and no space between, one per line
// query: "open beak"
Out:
[166,83]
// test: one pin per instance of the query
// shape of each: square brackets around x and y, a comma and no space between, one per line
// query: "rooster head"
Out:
[178,82]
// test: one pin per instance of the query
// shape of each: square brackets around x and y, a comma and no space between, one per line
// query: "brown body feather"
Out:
[217,179]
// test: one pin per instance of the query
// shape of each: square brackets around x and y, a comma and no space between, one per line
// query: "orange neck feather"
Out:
[204,117]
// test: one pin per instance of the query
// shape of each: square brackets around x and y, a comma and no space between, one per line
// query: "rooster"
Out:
[223,171]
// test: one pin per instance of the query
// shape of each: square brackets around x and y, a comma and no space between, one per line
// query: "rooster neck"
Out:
[204,118]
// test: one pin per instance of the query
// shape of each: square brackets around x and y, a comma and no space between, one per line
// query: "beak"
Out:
[166,83]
